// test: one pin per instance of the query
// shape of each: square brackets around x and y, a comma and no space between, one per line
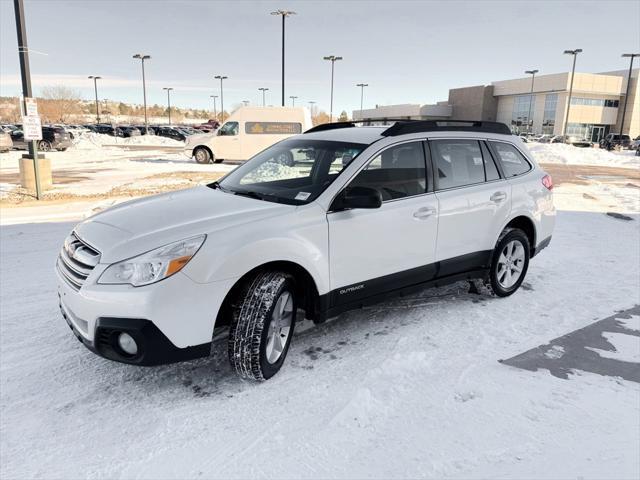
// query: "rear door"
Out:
[377,250]
[474,202]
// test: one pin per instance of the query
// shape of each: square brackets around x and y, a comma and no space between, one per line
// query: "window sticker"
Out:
[303,195]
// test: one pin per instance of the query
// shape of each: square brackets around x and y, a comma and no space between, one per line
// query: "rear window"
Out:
[513,162]
[272,128]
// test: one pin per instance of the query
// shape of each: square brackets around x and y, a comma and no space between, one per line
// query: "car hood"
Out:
[138,226]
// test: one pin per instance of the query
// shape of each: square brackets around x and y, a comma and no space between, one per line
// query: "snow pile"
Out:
[93,141]
[570,155]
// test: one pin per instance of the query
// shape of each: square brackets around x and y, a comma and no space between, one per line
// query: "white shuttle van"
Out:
[247,131]
[326,221]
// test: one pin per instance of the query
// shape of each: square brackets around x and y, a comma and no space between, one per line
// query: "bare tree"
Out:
[58,103]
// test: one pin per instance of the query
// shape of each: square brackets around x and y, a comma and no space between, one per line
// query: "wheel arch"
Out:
[527,225]
[306,289]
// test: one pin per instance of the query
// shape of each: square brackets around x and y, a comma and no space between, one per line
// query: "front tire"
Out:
[202,155]
[262,325]
[509,262]
[44,146]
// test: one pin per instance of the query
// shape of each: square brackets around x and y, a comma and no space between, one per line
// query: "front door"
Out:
[597,133]
[226,145]
[474,202]
[377,250]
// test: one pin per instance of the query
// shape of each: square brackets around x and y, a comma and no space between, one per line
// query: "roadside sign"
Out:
[31,127]
[31,106]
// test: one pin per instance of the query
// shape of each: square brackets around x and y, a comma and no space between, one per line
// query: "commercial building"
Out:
[597,102]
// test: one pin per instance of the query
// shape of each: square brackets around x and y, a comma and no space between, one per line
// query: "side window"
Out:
[457,163]
[229,129]
[490,169]
[397,172]
[513,162]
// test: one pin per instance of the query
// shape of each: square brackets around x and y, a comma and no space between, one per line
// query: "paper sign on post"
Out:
[31,107]
[31,127]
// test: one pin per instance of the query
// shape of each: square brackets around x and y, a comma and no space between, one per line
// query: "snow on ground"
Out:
[91,141]
[408,388]
[570,155]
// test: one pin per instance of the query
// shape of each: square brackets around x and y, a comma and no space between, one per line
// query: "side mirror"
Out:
[358,197]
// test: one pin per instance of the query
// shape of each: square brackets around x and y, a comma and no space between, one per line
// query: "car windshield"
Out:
[294,171]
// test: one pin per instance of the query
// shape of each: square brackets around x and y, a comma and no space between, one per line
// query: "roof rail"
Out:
[418,126]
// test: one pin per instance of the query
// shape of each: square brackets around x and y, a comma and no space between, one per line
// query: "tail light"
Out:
[547,181]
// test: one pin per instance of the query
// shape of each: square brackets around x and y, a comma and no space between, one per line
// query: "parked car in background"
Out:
[6,143]
[615,140]
[149,130]
[106,129]
[171,132]
[129,131]
[7,128]
[53,138]
[208,126]
[571,140]
[248,131]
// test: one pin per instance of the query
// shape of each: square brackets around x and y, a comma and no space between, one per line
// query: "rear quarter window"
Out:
[513,162]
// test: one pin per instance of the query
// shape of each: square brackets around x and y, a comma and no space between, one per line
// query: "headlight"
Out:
[153,266]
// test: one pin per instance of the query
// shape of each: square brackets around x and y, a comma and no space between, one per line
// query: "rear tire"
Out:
[44,146]
[202,155]
[262,325]
[509,263]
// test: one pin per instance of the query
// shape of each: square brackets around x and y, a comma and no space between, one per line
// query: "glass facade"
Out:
[588,131]
[595,102]
[520,121]
[549,116]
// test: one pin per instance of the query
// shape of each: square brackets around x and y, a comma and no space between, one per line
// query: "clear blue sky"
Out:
[408,51]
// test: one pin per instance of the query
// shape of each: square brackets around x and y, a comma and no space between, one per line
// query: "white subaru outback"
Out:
[326,221]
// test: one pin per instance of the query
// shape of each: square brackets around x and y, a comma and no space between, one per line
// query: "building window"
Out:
[520,121]
[549,116]
[594,102]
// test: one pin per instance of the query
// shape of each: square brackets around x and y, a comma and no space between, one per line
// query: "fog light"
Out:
[127,344]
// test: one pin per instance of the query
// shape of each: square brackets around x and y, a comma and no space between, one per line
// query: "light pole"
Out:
[144,88]
[95,87]
[284,14]
[361,85]
[293,100]
[168,89]
[533,76]
[333,60]
[263,90]
[626,95]
[215,110]
[311,106]
[573,71]
[245,102]
[221,78]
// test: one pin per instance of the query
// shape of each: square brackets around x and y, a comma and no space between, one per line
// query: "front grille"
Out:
[76,261]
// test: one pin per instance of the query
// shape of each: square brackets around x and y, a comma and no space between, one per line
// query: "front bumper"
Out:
[154,348]
[171,320]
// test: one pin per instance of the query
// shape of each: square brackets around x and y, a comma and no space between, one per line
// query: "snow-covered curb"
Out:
[570,155]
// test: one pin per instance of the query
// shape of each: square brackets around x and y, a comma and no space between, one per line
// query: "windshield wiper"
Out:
[216,186]
[250,193]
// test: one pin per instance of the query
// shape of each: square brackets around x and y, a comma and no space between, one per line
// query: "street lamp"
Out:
[533,76]
[626,95]
[95,87]
[168,89]
[361,85]
[215,110]
[333,60]
[245,102]
[263,90]
[293,100]
[142,58]
[311,106]
[573,71]
[284,14]
[221,78]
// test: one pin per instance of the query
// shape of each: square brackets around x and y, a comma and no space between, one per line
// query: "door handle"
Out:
[498,197]
[424,212]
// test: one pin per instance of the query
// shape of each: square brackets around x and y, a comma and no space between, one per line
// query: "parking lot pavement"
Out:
[607,347]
